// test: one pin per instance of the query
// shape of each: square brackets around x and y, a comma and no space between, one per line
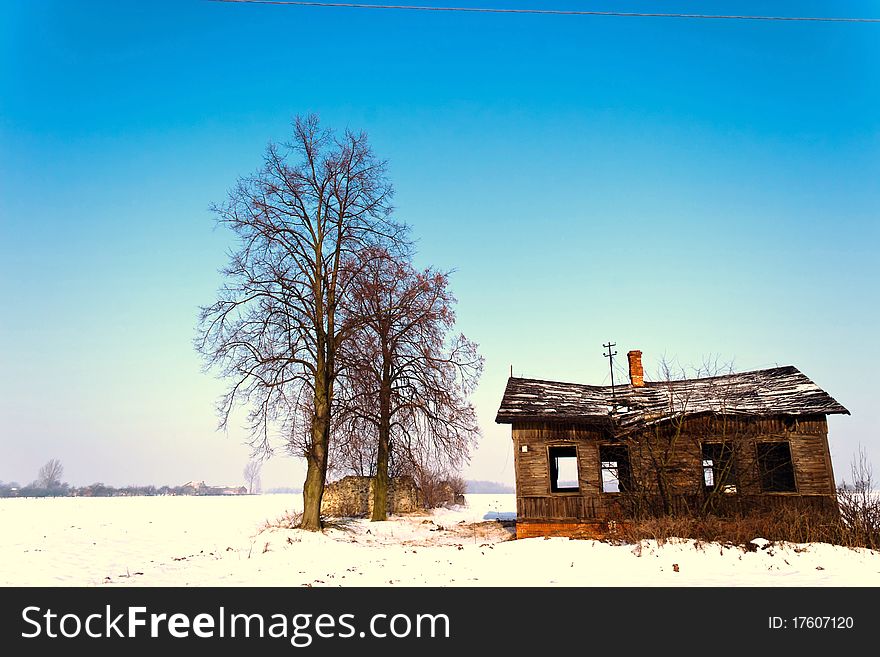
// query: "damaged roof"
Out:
[776,391]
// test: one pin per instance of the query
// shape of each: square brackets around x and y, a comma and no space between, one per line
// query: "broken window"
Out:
[563,469]
[616,473]
[718,468]
[776,468]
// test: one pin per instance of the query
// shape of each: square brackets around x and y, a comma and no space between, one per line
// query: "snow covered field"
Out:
[223,541]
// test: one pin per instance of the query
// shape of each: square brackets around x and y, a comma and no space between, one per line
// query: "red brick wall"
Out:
[592,530]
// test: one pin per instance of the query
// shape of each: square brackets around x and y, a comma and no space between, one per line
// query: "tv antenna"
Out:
[610,356]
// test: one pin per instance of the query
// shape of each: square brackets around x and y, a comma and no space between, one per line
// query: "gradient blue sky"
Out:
[688,188]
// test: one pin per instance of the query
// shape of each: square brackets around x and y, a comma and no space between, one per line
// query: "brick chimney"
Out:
[636,373]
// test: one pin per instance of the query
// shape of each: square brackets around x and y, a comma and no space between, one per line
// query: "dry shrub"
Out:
[439,489]
[860,504]
[457,487]
[790,525]
[860,518]
[287,520]
[856,525]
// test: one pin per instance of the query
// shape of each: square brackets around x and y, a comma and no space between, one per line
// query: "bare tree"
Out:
[715,439]
[49,476]
[702,453]
[252,475]
[274,331]
[665,447]
[406,380]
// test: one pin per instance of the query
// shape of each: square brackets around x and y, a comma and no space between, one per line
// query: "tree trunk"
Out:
[316,458]
[380,485]
[313,491]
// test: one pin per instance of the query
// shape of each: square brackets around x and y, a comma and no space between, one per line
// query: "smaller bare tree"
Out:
[49,476]
[252,476]
[407,377]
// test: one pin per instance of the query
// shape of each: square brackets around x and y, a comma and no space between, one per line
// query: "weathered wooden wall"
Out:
[535,501]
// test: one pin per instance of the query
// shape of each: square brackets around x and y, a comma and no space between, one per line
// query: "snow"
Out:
[224,541]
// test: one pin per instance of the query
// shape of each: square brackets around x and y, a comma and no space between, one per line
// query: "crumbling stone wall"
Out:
[353,497]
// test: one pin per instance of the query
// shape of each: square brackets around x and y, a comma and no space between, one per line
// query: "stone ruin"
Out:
[353,497]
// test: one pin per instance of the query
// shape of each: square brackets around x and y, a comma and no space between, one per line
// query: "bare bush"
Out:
[439,488]
[287,520]
[458,487]
[858,525]
[860,504]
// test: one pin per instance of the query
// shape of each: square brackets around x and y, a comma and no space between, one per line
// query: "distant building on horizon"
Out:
[200,488]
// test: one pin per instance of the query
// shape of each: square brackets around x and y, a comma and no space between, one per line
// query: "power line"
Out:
[560,12]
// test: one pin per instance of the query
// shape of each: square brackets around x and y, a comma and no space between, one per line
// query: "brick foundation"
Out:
[596,530]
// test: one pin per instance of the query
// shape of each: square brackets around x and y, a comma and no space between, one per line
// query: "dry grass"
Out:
[287,520]
[857,526]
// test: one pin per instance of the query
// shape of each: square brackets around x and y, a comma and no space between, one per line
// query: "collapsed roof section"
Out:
[761,393]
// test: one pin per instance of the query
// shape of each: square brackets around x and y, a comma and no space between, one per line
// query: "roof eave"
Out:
[503,418]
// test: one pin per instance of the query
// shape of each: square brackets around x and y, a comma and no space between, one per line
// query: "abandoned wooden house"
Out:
[588,457]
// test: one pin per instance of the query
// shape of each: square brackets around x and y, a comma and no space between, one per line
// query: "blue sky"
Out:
[687,188]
